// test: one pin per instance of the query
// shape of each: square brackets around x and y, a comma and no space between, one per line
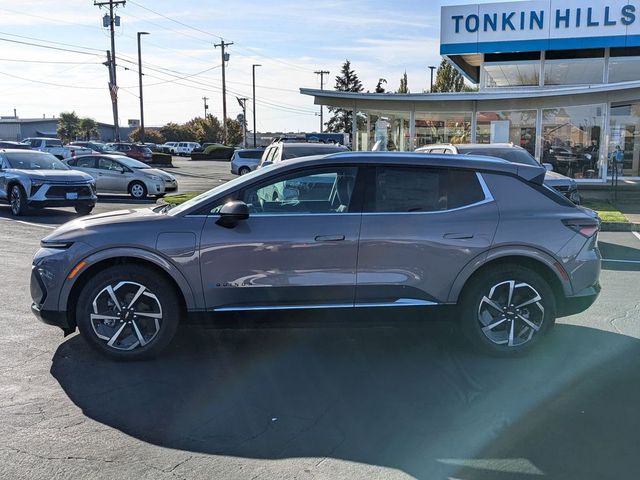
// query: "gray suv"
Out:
[30,179]
[512,153]
[351,230]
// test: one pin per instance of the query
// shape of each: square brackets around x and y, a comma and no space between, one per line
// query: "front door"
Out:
[420,227]
[298,248]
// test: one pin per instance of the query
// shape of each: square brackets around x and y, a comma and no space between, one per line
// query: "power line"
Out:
[47,62]
[50,41]
[50,83]
[46,46]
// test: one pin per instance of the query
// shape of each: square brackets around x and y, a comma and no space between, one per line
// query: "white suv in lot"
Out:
[185,148]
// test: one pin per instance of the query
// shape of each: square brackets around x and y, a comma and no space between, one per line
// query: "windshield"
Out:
[34,161]
[131,163]
[513,155]
[203,197]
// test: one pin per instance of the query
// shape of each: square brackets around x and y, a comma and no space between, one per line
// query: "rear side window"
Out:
[295,152]
[85,162]
[257,154]
[53,143]
[419,189]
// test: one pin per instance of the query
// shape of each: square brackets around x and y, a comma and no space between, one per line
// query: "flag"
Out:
[113,90]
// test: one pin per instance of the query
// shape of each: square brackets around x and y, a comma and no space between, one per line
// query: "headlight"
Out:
[153,177]
[62,245]
[36,183]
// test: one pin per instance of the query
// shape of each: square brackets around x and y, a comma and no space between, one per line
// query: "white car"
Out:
[168,147]
[55,147]
[185,148]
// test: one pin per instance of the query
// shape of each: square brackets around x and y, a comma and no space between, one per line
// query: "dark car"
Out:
[135,151]
[14,145]
[352,230]
[98,147]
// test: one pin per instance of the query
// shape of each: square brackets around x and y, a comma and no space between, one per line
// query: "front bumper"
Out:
[579,302]
[61,203]
[56,319]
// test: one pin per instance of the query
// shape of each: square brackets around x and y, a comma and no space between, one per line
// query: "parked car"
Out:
[54,146]
[245,161]
[132,150]
[120,174]
[30,179]
[14,145]
[356,230]
[281,150]
[97,147]
[168,147]
[512,153]
[184,149]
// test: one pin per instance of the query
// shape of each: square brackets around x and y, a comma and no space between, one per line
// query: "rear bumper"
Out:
[579,302]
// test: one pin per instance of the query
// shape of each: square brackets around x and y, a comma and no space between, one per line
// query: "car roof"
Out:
[107,155]
[310,144]
[477,146]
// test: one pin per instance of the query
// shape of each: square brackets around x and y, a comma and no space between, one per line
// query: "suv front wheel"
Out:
[507,310]
[128,312]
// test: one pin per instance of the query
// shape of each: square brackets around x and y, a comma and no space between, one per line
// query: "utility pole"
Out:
[243,104]
[432,68]
[140,83]
[206,107]
[253,69]
[225,58]
[322,73]
[110,21]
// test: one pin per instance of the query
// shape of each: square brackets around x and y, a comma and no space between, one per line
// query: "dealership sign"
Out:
[539,25]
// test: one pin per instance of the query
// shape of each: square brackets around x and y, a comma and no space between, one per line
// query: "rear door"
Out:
[420,227]
[111,176]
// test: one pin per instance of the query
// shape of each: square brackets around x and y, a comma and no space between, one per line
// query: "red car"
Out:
[139,152]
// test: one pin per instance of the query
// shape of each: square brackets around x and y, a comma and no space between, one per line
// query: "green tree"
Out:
[205,129]
[151,135]
[234,132]
[347,81]
[68,126]
[174,132]
[379,87]
[88,128]
[404,88]
[448,79]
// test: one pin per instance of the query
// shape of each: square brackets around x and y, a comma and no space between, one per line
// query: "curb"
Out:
[620,227]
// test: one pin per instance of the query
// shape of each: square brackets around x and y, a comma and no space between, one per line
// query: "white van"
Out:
[185,148]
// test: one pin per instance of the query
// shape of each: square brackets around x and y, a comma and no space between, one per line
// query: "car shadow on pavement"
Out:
[48,216]
[619,257]
[413,399]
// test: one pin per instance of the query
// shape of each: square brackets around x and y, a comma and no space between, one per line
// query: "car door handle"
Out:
[329,238]
[458,236]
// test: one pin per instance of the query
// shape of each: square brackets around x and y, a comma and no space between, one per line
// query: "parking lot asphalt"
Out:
[337,402]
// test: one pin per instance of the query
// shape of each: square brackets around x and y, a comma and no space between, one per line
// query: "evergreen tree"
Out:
[448,79]
[347,81]
[68,126]
[379,87]
[404,88]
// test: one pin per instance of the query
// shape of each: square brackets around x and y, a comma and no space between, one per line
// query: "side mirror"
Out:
[548,167]
[233,212]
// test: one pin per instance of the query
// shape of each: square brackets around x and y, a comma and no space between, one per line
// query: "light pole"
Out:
[140,83]
[432,68]
[253,69]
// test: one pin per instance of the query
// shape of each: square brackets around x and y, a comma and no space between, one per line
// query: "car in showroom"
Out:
[121,174]
[357,230]
[512,153]
[245,160]
[31,179]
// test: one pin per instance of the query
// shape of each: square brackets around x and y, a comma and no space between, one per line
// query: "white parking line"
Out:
[30,223]
[636,234]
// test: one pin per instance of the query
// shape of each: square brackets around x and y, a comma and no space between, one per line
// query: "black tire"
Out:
[243,170]
[18,200]
[478,314]
[135,187]
[84,209]
[165,299]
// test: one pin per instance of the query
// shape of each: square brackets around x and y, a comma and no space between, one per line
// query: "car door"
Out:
[87,164]
[297,251]
[111,176]
[420,227]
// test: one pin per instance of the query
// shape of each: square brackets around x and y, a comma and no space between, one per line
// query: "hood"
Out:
[58,176]
[555,178]
[156,171]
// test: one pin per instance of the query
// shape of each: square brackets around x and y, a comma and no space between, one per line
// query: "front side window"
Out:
[108,164]
[316,191]
[423,189]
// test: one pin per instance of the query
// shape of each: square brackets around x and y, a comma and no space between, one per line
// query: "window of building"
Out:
[511,74]
[419,189]
[624,69]
[445,127]
[576,71]
[624,140]
[572,138]
[384,131]
[515,126]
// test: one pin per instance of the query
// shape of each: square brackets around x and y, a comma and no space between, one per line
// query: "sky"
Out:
[289,39]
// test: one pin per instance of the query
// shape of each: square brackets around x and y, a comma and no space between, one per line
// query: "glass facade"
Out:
[572,138]
[511,74]
[516,126]
[624,69]
[442,127]
[385,131]
[624,140]
[577,71]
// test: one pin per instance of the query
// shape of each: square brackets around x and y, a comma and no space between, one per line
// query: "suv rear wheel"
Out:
[128,312]
[243,170]
[507,310]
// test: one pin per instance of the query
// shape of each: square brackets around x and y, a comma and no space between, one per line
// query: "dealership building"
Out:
[559,78]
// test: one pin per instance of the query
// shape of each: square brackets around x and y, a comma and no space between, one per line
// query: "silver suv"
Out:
[352,230]
[31,179]
[512,153]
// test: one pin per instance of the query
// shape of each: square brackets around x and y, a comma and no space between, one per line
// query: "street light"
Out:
[432,68]
[253,69]
[140,83]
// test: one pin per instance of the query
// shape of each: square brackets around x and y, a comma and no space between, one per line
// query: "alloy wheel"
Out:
[126,315]
[511,314]
[15,200]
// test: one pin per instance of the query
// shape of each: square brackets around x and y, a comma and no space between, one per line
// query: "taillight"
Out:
[584,226]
